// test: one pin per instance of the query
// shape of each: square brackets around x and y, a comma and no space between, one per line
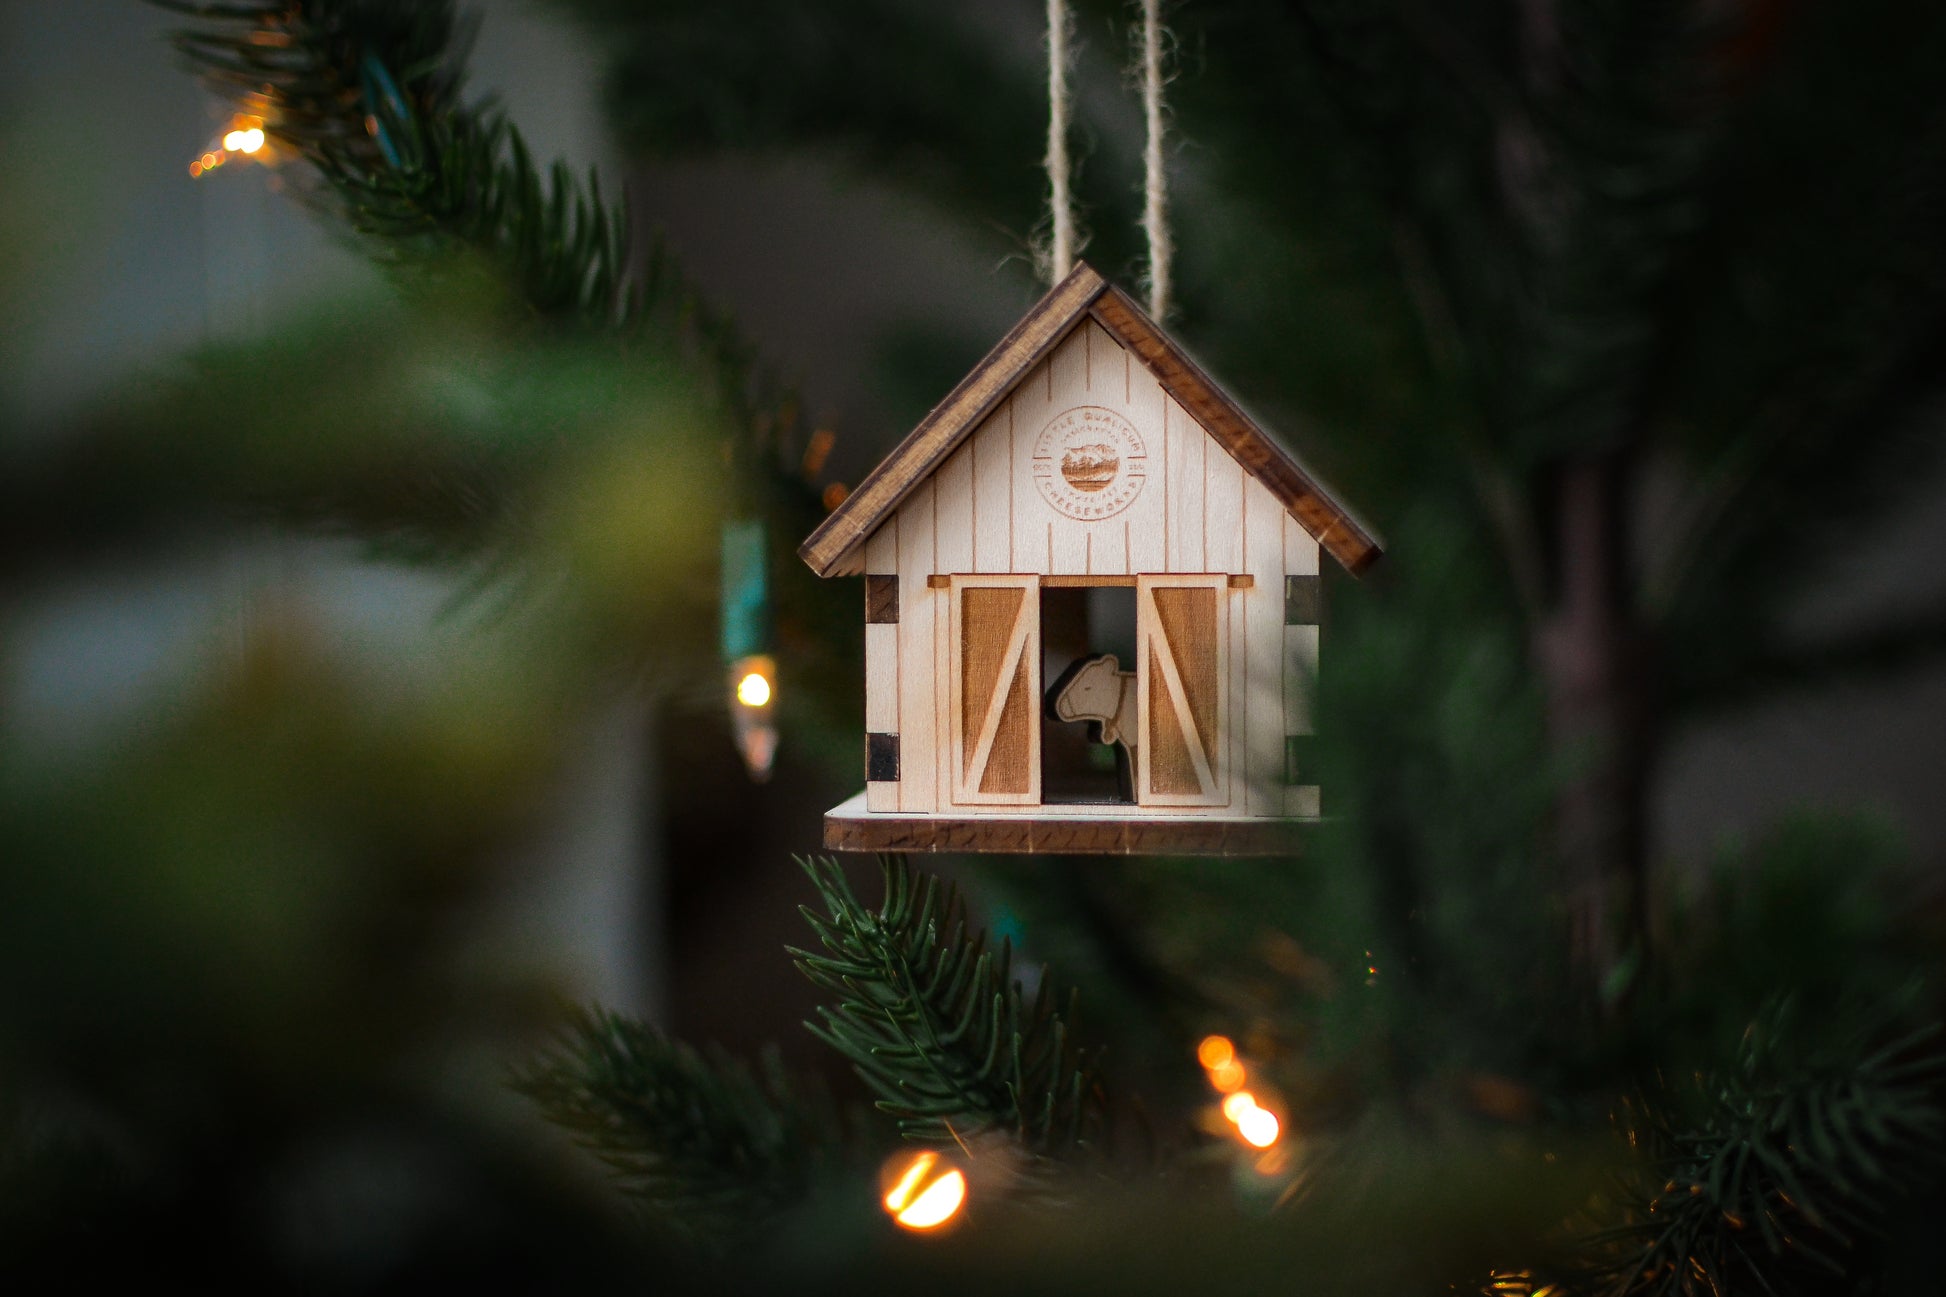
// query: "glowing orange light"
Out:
[835,495]
[243,137]
[817,450]
[1215,1052]
[936,1204]
[753,690]
[900,1196]
[752,682]
[1255,1124]
[921,1201]
[1258,1126]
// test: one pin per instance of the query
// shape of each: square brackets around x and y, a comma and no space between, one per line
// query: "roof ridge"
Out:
[828,549]
[955,417]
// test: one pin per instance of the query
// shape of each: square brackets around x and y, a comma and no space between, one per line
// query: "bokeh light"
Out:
[753,690]
[924,1196]
[1216,1052]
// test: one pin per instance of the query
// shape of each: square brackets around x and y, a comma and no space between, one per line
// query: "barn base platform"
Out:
[1093,830]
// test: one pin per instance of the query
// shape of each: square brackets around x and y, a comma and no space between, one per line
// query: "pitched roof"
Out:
[837,547]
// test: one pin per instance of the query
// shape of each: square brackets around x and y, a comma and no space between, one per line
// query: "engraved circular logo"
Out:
[1090,463]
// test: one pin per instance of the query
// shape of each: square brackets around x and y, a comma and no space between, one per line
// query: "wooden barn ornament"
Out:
[1086,543]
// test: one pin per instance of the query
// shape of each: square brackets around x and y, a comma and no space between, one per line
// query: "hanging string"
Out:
[1060,199]
[1155,208]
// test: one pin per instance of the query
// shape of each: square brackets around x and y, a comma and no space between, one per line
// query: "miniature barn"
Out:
[1091,604]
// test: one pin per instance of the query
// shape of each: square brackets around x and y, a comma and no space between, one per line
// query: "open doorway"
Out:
[1080,624]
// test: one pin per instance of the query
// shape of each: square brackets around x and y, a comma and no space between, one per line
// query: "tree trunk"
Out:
[1593,652]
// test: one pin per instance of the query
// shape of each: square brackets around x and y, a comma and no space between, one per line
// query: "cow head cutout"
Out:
[1097,690]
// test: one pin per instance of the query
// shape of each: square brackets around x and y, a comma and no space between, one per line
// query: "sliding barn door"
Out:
[995,644]
[1180,677]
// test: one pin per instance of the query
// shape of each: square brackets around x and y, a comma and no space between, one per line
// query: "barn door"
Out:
[995,643]
[1182,667]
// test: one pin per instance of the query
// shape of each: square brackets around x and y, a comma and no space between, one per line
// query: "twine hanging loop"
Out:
[1155,205]
[1059,167]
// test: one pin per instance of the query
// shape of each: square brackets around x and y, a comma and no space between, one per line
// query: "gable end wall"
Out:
[1196,511]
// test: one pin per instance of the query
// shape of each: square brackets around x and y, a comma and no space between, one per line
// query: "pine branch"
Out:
[1788,1162]
[369,94]
[935,1023]
[708,1148]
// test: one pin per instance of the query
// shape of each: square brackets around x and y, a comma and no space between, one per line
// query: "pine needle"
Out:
[1769,1172]
[370,94]
[937,1025]
[711,1150]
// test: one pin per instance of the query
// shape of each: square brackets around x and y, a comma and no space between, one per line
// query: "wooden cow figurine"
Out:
[1097,689]
[1086,498]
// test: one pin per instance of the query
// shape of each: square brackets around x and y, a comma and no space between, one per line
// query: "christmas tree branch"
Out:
[935,1023]
[1788,1161]
[708,1148]
[369,94]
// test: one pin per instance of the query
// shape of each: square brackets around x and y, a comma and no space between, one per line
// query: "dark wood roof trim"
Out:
[836,547]
[1131,836]
[1340,532]
[827,548]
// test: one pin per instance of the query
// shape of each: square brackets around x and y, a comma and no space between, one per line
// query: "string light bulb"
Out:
[1218,1055]
[923,1197]
[753,695]
[243,137]
[753,690]
[1259,1127]
[1254,1124]
[752,672]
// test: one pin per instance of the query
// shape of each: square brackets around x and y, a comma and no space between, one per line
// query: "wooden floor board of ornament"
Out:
[1108,829]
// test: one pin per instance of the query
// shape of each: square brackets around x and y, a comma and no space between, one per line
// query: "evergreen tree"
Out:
[1618,316]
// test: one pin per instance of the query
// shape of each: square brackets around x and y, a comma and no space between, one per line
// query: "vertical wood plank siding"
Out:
[1197,512]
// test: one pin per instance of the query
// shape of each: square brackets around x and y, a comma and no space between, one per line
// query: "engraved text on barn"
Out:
[1090,463]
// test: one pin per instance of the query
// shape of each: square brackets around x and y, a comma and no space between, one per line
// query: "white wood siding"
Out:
[1197,512]
[1300,664]
[1263,638]
[882,691]
[918,689]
